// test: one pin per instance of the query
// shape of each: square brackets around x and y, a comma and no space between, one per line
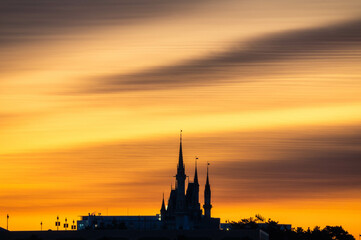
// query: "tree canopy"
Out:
[277,231]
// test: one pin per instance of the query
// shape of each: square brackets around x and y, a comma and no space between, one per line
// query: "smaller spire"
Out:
[163,205]
[196,172]
[207,196]
[207,181]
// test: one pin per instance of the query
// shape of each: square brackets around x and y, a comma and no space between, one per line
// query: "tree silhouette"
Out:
[278,232]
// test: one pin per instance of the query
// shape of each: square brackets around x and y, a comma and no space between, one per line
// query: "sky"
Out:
[93,95]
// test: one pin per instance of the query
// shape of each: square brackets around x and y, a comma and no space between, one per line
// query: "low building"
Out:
[119,222]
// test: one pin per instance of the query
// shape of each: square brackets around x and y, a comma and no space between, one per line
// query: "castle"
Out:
[182,213]
[184,210]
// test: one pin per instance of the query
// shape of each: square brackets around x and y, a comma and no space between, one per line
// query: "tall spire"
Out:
[180,167]
[196,173]
[180,180]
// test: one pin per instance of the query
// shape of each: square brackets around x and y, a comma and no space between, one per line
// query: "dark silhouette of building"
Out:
[184,211]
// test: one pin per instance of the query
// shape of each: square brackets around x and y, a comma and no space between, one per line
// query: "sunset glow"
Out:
[92,99]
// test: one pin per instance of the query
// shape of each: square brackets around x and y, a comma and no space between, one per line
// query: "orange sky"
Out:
[92,99]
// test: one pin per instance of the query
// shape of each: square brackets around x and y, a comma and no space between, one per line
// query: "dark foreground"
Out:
[249,234]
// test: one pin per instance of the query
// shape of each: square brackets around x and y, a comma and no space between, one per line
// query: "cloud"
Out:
[245,167]
[309,167]
[300,166]
[24,21]
[9,119]
[251,58]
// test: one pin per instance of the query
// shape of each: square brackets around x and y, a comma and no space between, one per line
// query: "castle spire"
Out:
[196,173]
[195,196]
[163,211]
[180,167]
[207,197]
[207,181]
[180,180]
[163,205]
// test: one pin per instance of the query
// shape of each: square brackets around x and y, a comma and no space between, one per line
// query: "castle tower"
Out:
[207,198]
[180,180]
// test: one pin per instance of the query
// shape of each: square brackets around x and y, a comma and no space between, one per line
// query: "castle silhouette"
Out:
[184,210]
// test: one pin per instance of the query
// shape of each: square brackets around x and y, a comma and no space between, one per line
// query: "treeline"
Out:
[278,231]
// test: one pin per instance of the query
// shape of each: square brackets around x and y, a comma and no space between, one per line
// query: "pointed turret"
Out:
[163,205]
[196,173]
[163,210]
[207,197]
[207,180]
[180,180]
[195,201]
[180,167]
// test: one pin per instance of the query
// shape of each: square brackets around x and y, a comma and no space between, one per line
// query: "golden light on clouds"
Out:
[122,125]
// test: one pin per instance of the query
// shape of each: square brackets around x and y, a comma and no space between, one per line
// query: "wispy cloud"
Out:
[309,167]
[24,21]
[250,58]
